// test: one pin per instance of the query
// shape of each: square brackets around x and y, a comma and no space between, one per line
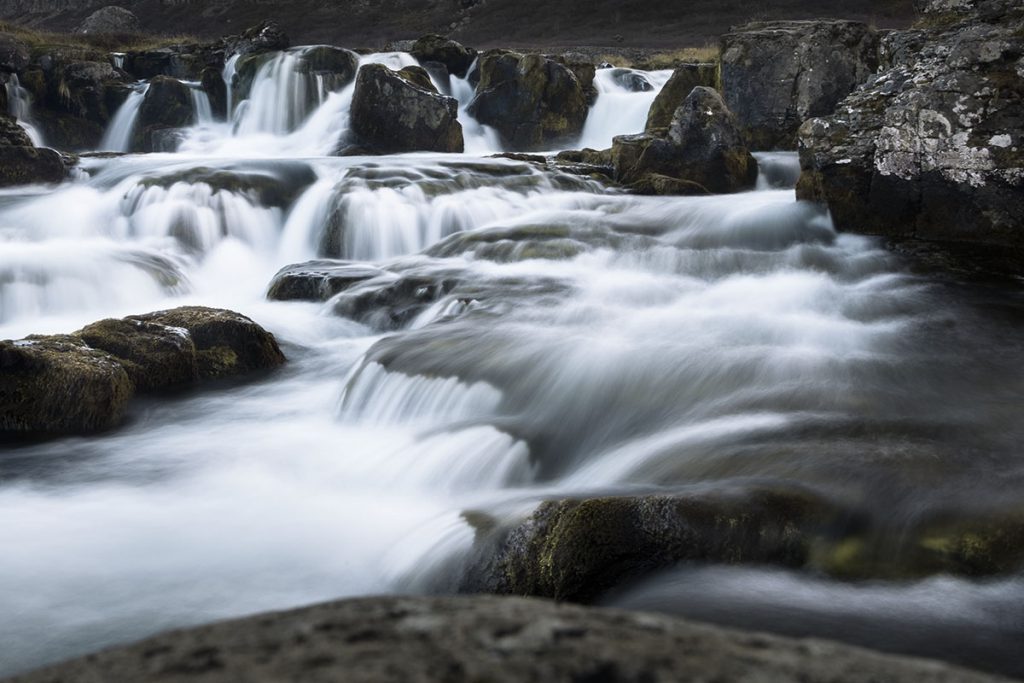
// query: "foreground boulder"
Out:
[684,79]
[931,148]
[775,75]
[702,151]
[456,58]
[484,638]
[111,20]
[534,102]
[27,165]
[401,111]
[82,383]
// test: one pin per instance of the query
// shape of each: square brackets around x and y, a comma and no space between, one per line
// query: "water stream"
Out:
[594,342]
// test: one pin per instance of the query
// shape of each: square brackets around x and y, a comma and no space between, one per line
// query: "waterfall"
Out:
[229,73]
[118,137]
[479,139]
[200,103]
[19,106]
[624,97]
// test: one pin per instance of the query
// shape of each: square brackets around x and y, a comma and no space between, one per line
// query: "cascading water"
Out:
[624,97]
[118,137]
[525,335]
[19,105]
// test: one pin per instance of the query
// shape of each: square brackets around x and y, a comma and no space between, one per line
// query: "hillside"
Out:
[484,23]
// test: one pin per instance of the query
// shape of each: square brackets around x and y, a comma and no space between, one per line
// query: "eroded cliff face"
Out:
[931,147]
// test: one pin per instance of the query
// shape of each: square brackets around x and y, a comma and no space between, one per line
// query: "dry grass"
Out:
[670,59]
[109,43]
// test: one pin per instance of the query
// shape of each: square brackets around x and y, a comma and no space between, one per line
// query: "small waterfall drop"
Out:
[623,101]
[19,105]
[118,137]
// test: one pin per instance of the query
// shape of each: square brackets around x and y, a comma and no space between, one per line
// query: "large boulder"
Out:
[485,638]
[110,20]
[434,48]
[534,102]
[26,165]
[932,147]
[60,385]
[702,147]
[167,105]
[684,79]
[400,111]
[82,383]
[264,37]
[775,75]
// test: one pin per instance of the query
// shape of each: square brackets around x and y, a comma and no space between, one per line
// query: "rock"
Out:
[391,301]
[274,183]
[584,69]
[485,638]
[533,101]
[394,112]
[111,20]
[11,134]
[932,148]
[684,79]
[14,54]
[26,165]
[185,61]
[212,82]
[167,105]
[154,356]
[58,385]
[576,550]
[336,66]
[775,75]
[264,37]
[318,280]
[227,343]
[455,57]
[702,146]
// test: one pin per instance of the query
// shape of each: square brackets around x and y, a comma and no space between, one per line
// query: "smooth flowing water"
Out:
[592,342]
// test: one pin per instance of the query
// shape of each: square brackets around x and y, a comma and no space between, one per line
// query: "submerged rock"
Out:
[505,640]
[775,75]
[455,57]
[702,148]
[60,385]
[684,79]
[110,20]
[533,101]
[82,383]
[401,111]
[931,148]
[318,280]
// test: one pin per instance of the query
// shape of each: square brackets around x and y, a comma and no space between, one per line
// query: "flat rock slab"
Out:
[484,639]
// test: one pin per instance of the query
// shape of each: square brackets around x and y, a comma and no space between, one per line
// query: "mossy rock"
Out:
[155,356]
[59,385]
[684,79]
[279,185]
[30,165]
[456,58]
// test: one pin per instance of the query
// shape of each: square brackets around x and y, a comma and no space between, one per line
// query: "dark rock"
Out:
[11,134]
[702,146]
[185,61]
[318,280]
[394,112]
[277,183]
[264,37]
[534,102]
[584,69]
[485,638]
[391,301]
[14,54]
[246,69]
[154,356]
[336,66]
[684,79]
[775,75]
[28,165]
[212,82]
[434,48]
[58,385]
[167,105]
[111,20]
[932,148]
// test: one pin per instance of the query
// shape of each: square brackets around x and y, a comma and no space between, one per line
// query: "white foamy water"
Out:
[533,335]
[624,97]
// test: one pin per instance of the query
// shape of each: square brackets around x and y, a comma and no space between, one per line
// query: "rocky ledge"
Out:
[83,382]
[484,639]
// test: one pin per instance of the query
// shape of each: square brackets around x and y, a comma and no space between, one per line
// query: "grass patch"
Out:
[708,54]
[123,42]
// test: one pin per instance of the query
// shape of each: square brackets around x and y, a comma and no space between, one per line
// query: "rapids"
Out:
[592,342]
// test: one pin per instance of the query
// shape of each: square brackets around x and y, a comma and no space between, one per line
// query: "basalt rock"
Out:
[167,105]
[455,57]
[932,148]
[25,165]
[702,146]
[533,101]
[684,79]
[111,20]
[394,112]
[336,66]
[775,75]
[318,280]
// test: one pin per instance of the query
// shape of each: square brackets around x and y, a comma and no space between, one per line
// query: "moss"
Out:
[155,357]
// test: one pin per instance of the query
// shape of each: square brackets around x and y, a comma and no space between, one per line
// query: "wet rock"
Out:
[524,242]
[154,356]
[392,301]
[110,20]
[336,66]
[702,146]
[264,37]
[185,61]
[25,165]
[775,75]
[505,640]
[59,385]
[318,280]
[14,54]
[533,101]
[11,134]
[684,79]
[931,149]
[394,112]
[455,57]
[212,83]
[167,105]
[585,70]
[275,183]
[576,550]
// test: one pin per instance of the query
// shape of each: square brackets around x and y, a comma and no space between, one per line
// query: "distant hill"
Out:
[481,23]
